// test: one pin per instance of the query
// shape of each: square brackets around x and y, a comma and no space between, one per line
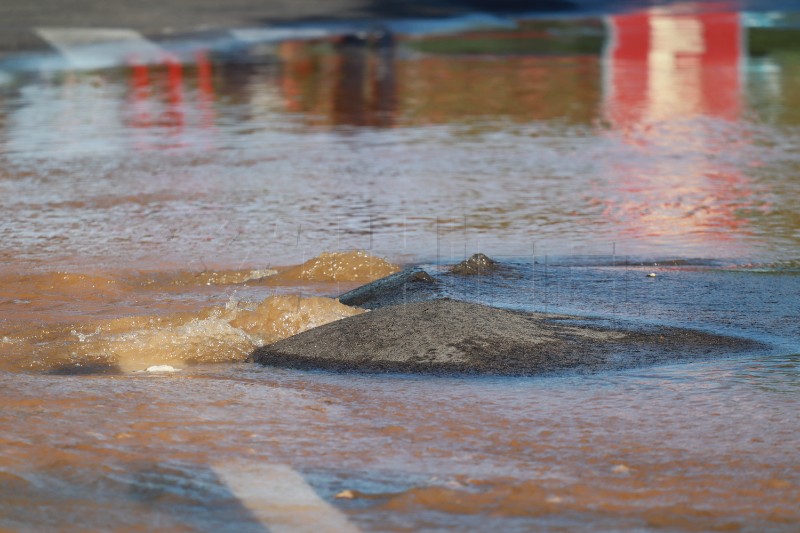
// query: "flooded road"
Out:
[176,207]
[572,144]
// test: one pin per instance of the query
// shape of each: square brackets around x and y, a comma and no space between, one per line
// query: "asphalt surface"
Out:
[165,18]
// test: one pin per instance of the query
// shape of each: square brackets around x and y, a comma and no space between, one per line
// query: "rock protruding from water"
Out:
[408,286]
[448,336]
[477,264]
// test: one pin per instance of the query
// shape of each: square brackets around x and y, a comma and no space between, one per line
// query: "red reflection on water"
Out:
[160,112]
[668,78]
[141,110]
[205,96]
[663,66]
[174,113]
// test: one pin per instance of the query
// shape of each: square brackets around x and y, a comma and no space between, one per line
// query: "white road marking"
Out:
[95,48]
[281,499]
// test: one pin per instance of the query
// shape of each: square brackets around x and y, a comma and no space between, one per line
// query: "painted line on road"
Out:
[94,48]
[280,498]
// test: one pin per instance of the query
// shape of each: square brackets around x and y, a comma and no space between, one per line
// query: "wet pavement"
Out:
[170,203]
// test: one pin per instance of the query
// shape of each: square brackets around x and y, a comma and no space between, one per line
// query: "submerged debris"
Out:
[477,264]
[408,286]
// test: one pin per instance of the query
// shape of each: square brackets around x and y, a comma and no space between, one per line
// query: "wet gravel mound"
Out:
[445,336]
[477,264]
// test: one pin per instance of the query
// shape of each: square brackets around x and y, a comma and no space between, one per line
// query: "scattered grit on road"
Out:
[444,336]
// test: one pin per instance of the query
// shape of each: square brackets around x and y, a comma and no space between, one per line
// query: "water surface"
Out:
[146,205]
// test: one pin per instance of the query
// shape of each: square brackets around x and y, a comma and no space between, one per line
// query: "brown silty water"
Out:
[197,334]
[180,215]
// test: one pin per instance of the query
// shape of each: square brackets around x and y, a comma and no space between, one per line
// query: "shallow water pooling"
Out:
[152,212]
[708,444]
[630,450]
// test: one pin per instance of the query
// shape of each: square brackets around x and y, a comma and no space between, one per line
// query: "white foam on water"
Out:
[150,343]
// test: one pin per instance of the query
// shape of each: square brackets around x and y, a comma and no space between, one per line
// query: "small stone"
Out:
[162,368]
[620,469]
[554,499]
[346,495]
[477,264]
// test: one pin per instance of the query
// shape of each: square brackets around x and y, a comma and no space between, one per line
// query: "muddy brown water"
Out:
[159,214]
